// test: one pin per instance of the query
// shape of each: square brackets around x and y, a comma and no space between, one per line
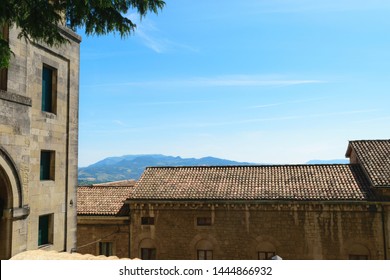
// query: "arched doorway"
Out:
[10,200]
[6,200]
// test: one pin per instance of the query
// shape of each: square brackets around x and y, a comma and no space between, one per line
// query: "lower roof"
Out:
[260,182]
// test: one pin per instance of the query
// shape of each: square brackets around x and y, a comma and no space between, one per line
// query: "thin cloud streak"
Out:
[219,81]
[284,103]
[238,122]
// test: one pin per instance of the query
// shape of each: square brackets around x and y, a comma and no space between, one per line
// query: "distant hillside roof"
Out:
[374,156]
[266,182]
[103,200]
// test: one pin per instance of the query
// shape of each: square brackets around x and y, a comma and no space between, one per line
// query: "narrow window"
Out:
[264,255]
[148,253]
[203,221]
[105,248]
[205,254]
[49,89]
[4,30]
[45,230]
[47,167]
[147,220]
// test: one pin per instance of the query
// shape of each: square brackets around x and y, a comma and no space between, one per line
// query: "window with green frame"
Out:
[49,88]
[47,165]
[106,248]
[45,230]
[148,253]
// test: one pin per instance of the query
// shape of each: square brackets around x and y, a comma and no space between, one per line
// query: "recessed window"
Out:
[205,254]
[106,248]
[47,168]
[49,89]
[148,253]
[4,30]
[264,255]
[203,221]
[358,257]
[147,220]
[45,230]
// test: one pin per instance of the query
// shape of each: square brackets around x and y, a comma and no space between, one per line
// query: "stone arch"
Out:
[11,180]
[204,242]
[265,247]
[10,199]
[147,246]
[357,251]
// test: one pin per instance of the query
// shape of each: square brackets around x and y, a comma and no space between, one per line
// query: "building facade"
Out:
[39,95]
[336,211]
[103,221]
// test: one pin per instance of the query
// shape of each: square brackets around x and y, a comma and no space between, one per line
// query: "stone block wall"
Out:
[92,230]
[239,231]
[25,130]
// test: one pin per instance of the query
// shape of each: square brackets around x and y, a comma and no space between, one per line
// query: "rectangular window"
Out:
[147,220]
[203,221]
[148,253]
[205,254]
[105,248]
[49,89]
[47,168]
[263,255]
[45,230]
[358,257]
[4,30]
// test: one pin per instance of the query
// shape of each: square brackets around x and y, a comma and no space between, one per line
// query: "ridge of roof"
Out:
[269,182]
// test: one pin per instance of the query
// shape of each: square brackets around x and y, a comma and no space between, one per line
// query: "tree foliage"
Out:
[38,20]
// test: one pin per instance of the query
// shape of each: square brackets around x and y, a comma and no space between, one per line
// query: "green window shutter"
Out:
[45,166]
[43,230]
[47,89]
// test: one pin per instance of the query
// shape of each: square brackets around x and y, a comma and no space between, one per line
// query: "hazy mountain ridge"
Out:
[132,166]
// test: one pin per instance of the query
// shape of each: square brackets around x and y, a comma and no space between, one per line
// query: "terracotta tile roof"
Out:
[103,200]
[374,156]
[264,182]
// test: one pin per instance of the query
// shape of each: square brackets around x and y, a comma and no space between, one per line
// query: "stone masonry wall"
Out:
[92,230]
[26,130]
[239,231]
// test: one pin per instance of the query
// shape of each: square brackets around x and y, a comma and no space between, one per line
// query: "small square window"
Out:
[49,89]
[147,220]
[106,248]
[148,253]
[264,255]
[203,221]
[205,254]
[47,168]
[45,230]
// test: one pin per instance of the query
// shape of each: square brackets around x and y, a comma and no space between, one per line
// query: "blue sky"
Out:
[264,81]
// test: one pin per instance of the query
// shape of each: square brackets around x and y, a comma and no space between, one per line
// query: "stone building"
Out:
[39,95]
[335,211]
[103,221]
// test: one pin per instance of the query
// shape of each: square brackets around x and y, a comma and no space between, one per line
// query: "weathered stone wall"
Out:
[92,230]
[239,231]
[26,130]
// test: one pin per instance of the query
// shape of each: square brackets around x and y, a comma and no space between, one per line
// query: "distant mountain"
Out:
[330,161]
[132,166]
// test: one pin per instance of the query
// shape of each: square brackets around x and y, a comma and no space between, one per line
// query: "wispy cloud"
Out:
[285,103]
[195,125]
[219,81]
[150,36]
